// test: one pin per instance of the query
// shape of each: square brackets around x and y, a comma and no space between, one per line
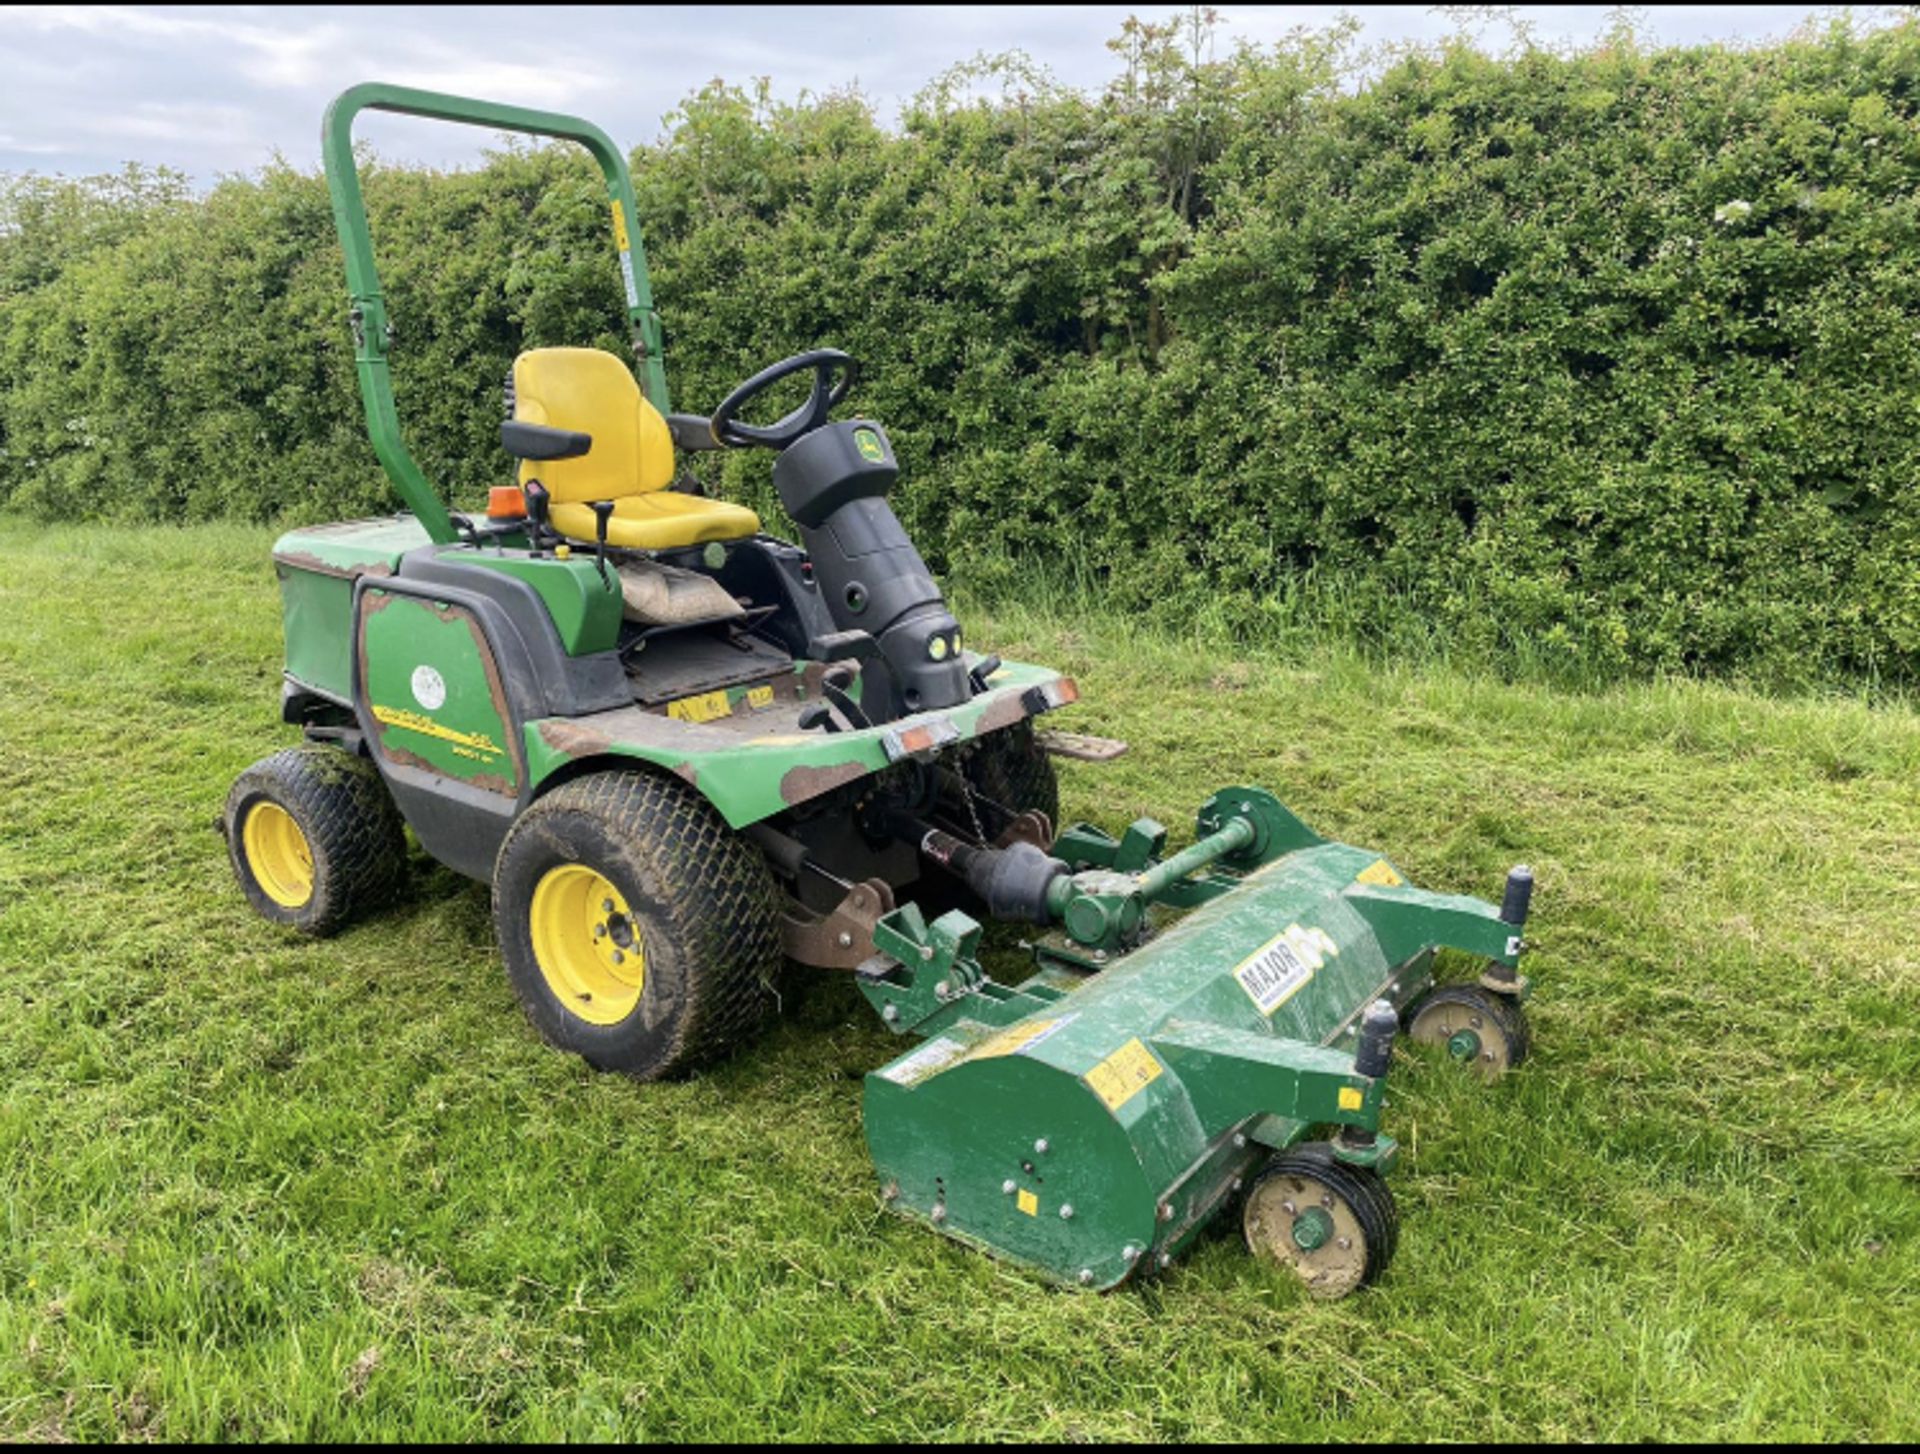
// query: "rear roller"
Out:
[1333,1225]
[1478,1028]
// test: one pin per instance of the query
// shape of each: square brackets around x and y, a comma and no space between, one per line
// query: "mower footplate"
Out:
[1080,746]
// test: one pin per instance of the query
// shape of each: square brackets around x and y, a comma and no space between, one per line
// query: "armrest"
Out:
[540,441]
[692,432]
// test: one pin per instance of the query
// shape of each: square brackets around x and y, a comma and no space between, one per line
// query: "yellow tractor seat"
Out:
[631,461]
[659,520]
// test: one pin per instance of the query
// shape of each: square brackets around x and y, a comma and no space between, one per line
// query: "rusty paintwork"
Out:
[842,939]
[1003,711]
[574,743]
[568,738]
[753,765]
[307,561]
[377,601]
[797,784]
[487,782]
[347,546]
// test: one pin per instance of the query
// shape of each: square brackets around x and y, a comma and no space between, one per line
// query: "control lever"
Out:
[537,502]
[602,513]
[819,714]
[982,669]
[833,686]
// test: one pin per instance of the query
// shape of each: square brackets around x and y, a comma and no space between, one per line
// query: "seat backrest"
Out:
[592,391]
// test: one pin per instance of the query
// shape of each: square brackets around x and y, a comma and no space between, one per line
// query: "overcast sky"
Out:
[211,89]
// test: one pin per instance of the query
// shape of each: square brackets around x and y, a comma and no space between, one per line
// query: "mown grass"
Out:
[260,1187]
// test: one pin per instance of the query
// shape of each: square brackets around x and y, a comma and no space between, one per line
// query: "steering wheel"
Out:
[825,363]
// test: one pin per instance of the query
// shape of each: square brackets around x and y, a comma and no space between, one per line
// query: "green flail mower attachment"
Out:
[1089,1122]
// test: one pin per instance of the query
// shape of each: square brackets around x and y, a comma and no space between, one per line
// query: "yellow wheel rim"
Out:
[587,943]
[278,854]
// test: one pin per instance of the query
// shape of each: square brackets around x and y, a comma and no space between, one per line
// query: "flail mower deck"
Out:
[684,751]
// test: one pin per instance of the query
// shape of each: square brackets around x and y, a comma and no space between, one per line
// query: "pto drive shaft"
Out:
[1020,882]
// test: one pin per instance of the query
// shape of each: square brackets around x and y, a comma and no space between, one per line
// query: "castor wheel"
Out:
[1333,1225]
[1479,1028]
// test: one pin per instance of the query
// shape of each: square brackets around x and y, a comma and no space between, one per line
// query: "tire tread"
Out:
[725,909]
[351,825]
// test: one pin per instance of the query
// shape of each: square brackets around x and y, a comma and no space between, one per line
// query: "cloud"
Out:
[186,122]
[285,56]
[32,148]
[209,90]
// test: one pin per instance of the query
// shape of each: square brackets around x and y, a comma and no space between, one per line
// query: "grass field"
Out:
[261,1187]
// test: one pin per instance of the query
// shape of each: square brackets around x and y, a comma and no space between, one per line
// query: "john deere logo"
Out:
[869,445]
[429,688]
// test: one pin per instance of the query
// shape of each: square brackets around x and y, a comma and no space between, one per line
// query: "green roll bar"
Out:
[371,330]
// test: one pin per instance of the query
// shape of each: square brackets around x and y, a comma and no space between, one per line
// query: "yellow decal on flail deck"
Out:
[1028,1203]
[1379,872]
[704,708]
[413,722]
[1124,1074]
[929,1059]
[1279,969]
[1351,1099]
[759,697]
[1016,1038]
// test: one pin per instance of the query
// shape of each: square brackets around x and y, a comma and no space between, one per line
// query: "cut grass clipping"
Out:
[257,1186]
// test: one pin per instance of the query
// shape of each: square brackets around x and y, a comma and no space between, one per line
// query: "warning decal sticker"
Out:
[1379,872]
[1015,1038]
[707,707]
[1124,1074]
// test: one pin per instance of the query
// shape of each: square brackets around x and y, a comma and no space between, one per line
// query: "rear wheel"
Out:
[314,838]
[1479,1028]
[1333,1225]
[638,930]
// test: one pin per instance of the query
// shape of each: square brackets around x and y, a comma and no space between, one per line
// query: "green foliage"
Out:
[1605,361]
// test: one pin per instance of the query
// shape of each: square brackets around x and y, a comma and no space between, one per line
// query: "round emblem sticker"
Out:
[429,689]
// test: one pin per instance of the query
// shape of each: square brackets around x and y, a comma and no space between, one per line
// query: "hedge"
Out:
[1609,356]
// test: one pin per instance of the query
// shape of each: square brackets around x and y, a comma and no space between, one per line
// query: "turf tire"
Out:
[353,832]
[703,900]
[1013,771]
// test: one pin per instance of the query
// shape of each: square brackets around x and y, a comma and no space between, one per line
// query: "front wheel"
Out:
[1010,773]
[638,930]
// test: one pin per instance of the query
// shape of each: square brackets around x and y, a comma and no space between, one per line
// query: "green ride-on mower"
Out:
[684,750]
